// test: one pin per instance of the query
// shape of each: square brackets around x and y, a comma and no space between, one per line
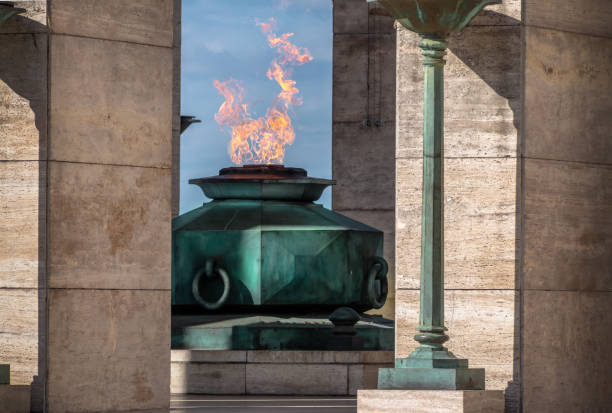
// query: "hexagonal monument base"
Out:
[431,379]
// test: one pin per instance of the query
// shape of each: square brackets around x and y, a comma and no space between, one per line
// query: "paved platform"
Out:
[259,404]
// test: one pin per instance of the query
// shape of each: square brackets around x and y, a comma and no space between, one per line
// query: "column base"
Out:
[427,401]
[431,379]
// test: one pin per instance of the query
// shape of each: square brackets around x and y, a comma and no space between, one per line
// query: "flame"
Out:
[263,140]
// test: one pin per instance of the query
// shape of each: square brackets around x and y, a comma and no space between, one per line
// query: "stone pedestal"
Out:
[430,401]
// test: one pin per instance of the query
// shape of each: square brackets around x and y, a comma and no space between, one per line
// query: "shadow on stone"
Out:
[23,70]
[493,52]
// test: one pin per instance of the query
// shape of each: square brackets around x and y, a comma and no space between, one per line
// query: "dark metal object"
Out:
[187,121]
[262,243]
[8,10]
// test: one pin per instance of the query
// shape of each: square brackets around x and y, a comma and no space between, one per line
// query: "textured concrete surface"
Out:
[109,226]
[304,379]
[262,404]
[567,86]
[566,358]
[136,21]
[428,401]
[568,226]
[176,109]
[361,168]
[586,16]
[568,231]
[128,120]
[363,120]
[109,350]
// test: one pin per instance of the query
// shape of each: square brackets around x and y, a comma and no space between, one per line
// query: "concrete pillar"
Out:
[567,176]
[482,117]
[86,160]
[363,121]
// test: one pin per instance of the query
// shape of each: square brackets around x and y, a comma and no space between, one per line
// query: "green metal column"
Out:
[431,326]
[431,366]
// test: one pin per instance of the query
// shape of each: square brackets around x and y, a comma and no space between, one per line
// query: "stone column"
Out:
[363,122]
[567,184]
[109,204]
[85,158]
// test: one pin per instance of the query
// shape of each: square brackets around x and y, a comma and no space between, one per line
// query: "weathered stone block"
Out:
[109,350]
[14,399]
[350,16]
[481,326]
[381,79]
[23,96]
[303,379]
[480,223]
[585,16]
[568,226]
[350,78]
[208,378]
[567,94]
[111,102]
[225,356]
[426,401]
[380,21]
[566,357]
[362,376]
[109,226]
[482,93]
[363,166]
[22,339]
[137,21]
[22,206]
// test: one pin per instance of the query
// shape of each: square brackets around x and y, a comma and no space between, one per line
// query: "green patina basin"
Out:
[434,17]
[262,242]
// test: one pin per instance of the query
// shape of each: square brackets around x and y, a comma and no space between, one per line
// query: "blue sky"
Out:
[220,39]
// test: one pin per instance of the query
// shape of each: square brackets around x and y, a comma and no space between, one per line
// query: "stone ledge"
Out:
[282,357]
[331,373]
[427,401]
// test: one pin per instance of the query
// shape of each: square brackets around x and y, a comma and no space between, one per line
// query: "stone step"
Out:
[268,372]
[14,399]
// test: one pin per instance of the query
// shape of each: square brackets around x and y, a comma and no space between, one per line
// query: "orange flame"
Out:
[263,140]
